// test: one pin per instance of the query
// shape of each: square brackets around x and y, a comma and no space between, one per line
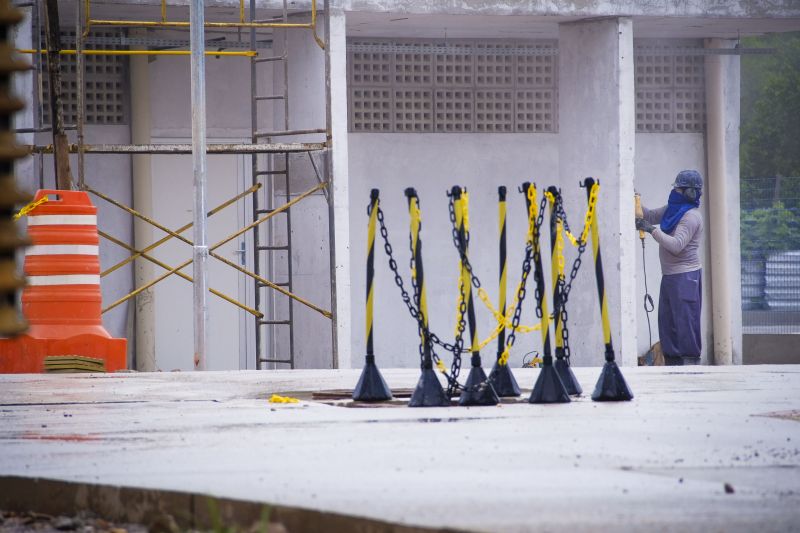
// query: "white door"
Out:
[173,308]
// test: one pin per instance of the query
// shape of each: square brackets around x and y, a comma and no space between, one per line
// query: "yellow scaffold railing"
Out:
[241,23]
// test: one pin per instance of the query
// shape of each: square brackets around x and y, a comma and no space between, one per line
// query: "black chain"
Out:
[564,288]
[526,270]
[462,247]
[424,332]
[461,244]
[538,275]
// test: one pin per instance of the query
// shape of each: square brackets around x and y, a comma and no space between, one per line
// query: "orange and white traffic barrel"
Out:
[62,301]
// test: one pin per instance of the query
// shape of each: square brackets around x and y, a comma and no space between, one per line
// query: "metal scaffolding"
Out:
[270,161]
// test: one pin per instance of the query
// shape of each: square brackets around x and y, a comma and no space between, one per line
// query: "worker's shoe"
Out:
[673,360]
[691,359]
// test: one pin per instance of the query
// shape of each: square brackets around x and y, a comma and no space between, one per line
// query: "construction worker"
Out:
[678,234]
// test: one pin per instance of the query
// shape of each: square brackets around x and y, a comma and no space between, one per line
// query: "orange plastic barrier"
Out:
[62,301]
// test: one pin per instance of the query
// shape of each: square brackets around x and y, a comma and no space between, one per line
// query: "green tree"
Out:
[770,128]
[769,230]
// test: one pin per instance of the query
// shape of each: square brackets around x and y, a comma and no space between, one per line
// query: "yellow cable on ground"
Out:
[275,398]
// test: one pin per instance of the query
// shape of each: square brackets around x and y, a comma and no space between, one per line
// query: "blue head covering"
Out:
[678,204]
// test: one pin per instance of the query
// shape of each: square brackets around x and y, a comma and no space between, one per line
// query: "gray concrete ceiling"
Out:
[413,21]
[363,24]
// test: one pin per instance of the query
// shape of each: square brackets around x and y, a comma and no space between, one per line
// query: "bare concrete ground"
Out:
[699,448]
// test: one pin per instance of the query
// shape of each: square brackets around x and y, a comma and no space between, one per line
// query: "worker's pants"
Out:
[679,307]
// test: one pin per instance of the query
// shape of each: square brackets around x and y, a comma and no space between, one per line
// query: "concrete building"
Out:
[424,95]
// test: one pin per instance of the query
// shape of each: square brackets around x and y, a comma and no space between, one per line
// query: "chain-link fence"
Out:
[770,245]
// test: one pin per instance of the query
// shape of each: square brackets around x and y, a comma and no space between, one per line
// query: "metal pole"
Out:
[80,73]
[200,248]
[60,142]
[330,177]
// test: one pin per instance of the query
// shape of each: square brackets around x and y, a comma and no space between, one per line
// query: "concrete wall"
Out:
[310,237]
[766,349]
[432,163]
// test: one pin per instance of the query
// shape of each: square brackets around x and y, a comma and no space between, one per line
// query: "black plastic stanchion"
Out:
[557,270]
[568,377]
[477,390]
[501,377]
[428,392]
[611,386]
[371,386]
[548,387]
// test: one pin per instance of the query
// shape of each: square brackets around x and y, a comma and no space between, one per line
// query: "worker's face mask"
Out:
[691,194]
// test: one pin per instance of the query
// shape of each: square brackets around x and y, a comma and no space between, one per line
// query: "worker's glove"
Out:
[643,225]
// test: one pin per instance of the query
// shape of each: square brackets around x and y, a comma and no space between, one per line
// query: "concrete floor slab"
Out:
[659,462]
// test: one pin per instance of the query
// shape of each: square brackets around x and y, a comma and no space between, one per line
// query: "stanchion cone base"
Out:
[429,392]
[503,381]
[611,387]
[568,377]
[549,388]
[478,389]
[371,386]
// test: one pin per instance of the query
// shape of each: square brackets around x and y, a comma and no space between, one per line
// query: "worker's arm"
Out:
[684,231]
[653,216]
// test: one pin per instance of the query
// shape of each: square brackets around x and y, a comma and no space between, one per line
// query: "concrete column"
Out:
[722,193]
[341,186]
[596,138]
[143,233]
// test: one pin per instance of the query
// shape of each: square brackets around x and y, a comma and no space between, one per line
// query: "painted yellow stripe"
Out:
[501,214]
[373,218]
[370,303]
[604,302]
[503,281]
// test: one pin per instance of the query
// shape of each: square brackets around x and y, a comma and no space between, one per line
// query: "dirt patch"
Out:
[11,522]
[784,415]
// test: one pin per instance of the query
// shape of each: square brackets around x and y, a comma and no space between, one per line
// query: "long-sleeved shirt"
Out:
[677,250]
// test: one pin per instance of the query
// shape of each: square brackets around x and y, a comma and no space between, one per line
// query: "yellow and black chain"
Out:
[455,367]
[431,338]
[457,241]
[530,245]
[564,288]
[423,331]
[587,222]
[538,274]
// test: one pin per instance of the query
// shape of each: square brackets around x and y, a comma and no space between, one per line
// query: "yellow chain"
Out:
[440,366]
[30,207]
[587,223]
